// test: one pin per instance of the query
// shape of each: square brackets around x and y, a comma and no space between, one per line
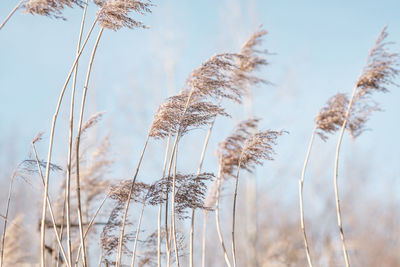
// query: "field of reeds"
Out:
[227,163]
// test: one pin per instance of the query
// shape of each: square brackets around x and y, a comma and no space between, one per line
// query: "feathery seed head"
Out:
[230,149]
[257,148]
[381,68]
[49,8]
[330,118]
[169,115]
[114,14]
[189,191]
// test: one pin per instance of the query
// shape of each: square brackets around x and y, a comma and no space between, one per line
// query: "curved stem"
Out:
[173,208]
[78,139]
[160,205]
[3,238]
[170,167]
[121,237]
[50,149]
[137,234]
[53,220]
[71,127]
[203,153]
[90,226]
[217,220]
[11,13]
[301,182]
[234,214]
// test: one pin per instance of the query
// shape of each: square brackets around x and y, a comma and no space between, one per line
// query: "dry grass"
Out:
[93,215]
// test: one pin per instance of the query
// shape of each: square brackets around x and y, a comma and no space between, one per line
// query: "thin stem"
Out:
[78,139]
[160,205]
[217,220]
[203,153]
[71,127]
[3,238]
[301,182]
[11,13]
[335,178]
[59,242]
[170,166]
[234,213]
[203,254]
[90,226]
[159,236]
[173,208]
[50,149]
[121,237]
[137,234]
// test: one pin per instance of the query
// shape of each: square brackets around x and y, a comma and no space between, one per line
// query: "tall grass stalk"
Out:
[160,206]
[50,149]
[301,183]
[11,13]
[202,156]
[59,241]
[3,237]
[70,140]
[78,138]
[217,220]
[121,237]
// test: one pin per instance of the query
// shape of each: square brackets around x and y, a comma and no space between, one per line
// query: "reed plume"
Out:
[50,8]
[380,70]
[256,148]
[114,14]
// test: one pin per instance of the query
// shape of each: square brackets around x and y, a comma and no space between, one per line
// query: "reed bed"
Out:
[98,221]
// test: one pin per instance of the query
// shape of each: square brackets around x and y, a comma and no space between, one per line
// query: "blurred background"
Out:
[316,50]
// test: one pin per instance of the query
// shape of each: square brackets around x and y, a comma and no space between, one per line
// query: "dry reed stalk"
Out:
[217,219]
[138,227]
[173,207]
[50,149]
[202,156]
[58,239]
[203,243]
[71,127]
[3,238]
[91,222]
[11,13]
[137,236]
[160,206]
[327,121]
[301,182]
[378,72]
[257,147]
[121,237]
[78,138]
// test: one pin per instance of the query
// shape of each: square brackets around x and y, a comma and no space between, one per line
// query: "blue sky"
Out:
[319,48]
